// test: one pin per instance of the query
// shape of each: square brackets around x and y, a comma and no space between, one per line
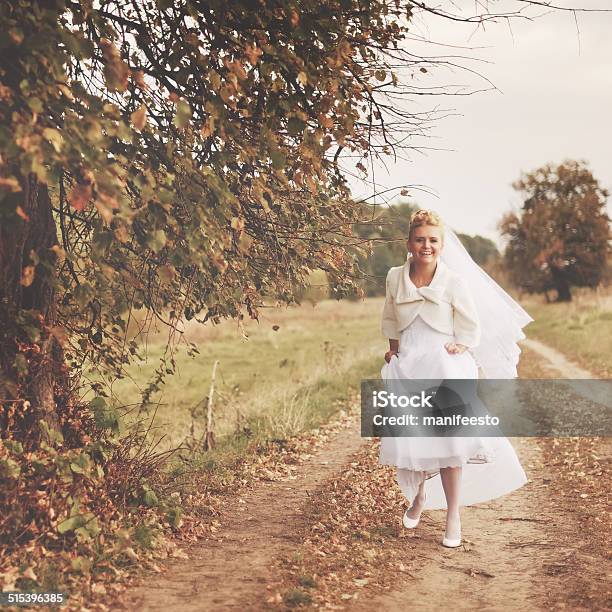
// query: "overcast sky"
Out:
[553,101]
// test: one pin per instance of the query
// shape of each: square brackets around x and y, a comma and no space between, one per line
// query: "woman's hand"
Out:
[390,354]
[452,348]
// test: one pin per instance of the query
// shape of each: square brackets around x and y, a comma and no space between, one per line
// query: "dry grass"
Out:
[275,377]
[581,329]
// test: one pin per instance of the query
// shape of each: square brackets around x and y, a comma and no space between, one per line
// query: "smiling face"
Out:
[425,243]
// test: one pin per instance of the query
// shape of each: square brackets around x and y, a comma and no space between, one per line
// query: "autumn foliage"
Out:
[177,159]
[561,236]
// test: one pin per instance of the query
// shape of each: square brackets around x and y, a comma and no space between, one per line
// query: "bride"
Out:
[444,318]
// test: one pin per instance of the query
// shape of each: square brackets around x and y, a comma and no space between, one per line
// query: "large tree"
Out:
[560,237]
[179,157]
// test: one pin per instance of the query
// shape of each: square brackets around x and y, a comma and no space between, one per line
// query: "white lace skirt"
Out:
[490,465]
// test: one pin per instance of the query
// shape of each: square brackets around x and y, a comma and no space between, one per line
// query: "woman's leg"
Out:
[451,483]
[419,501]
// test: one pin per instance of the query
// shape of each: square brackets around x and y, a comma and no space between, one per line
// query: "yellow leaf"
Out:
[208,128]
[54,137]
[219,262]
[116,71]
[105,211]
[245,242]
[226,93]
[302,78]
[138,76]
[166,273]
[59,252]
[66,91]
[237,69]
[326,121]
[275,599]
[121,233]
[237,223]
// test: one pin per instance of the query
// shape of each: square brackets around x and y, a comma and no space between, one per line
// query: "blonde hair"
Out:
[425,217]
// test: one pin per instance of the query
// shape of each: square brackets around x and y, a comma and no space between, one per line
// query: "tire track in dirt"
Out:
[556,362]
[231,570]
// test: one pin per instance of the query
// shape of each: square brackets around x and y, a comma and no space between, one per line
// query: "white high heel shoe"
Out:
[410,523]
[451,543]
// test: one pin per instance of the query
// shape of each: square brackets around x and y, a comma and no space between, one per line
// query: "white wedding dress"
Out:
[490,465]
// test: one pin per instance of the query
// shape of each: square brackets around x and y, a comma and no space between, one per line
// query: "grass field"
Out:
[288,376]
[581,329]
[290,371]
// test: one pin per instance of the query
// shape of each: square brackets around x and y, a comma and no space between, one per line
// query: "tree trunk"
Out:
[561,285]
[31,358]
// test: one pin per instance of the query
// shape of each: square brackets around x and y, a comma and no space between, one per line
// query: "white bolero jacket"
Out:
[446,304]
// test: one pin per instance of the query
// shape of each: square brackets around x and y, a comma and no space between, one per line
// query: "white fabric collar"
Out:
[407,291]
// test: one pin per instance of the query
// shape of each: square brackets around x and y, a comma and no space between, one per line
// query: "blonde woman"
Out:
[444,318]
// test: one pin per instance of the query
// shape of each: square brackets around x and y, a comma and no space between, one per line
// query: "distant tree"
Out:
[387,232]
[561,236]
[482,250]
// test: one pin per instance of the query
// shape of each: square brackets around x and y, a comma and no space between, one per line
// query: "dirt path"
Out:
[510,560]
[506,548]
[555,362]
[230,572]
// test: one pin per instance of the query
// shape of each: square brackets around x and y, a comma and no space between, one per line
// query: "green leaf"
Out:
[76,468]
[72,523]
[183,114]
[81,564]
[295,126]
[174,516]
[14,446]
[149,498]
[21,364]
[145,536]
[157,240]
[9,468]
[51,433]
[33,332]
[278,159]
[105,416]
[36,105]
[81,465]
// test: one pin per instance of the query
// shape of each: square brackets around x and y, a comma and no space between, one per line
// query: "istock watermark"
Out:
[468,407]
